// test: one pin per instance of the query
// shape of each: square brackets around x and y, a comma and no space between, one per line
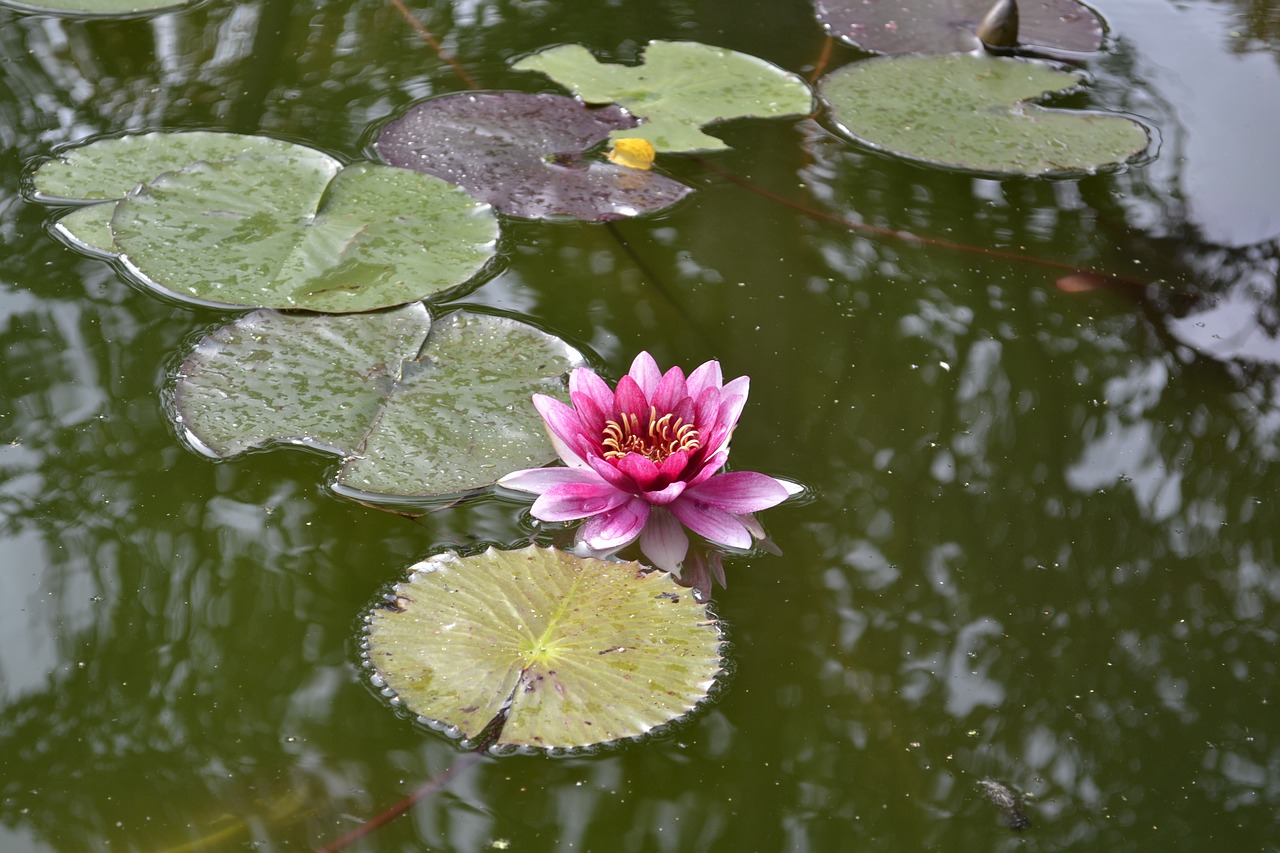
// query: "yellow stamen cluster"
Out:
[664,436]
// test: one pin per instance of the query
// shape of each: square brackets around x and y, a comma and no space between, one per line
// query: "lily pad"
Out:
[950,26]
[681,87]
[971,111]
[119,8]
[578,651]
[417,410]
[523,154]
[226,219]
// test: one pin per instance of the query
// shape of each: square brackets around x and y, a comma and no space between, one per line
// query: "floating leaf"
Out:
[971,112]
[417,410]
[951,26]
[94,7]
[523,154]
[238,220]
[633,153]
[681,87]
[579,651]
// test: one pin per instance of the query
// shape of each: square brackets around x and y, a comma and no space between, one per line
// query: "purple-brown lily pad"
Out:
[525,155]
[950,26]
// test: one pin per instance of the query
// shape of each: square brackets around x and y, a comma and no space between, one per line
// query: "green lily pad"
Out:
[681,87]
[950,26]
[417,410]
[578,651]
[226,219]
[95,7]
[971,111]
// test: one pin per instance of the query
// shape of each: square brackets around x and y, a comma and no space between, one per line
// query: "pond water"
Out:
[1039,542]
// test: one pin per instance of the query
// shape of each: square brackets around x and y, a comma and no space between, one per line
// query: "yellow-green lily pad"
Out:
[974,112]
[681,87]
[572,651]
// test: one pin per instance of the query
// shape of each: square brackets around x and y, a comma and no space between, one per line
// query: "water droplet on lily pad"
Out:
[574,651]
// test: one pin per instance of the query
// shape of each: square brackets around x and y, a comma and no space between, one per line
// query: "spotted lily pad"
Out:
[950,26]
[416,410]
[575,651]
[524,154]
[681,87]
[227,219]
[971,111]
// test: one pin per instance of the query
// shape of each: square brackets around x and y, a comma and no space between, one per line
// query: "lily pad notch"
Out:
[561,652]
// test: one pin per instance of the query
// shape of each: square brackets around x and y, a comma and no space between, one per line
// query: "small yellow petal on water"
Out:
[632,153]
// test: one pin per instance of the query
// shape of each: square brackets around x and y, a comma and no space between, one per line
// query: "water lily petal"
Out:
[562,428]
[673,466]
[704,376]
[588,382]
[664,541]
[538,480]
[739,492]
[662,497]
[709,467]
[616,528]
[630,399]
[641,470]
[611,474]
[706,412]
[646,374]
[571,501]
[712,523]
[669,392]
[591,416]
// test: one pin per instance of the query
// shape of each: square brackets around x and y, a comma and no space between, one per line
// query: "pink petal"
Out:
[670,392]
[610,473]
[662,497]
[663,540]
[715,525]
[584,381]
[673,466]
[570,501]
[706,408]
[646,374]
[591,416]
[538,480]
[631,399]
[563,427]
[739,492]
[641,470]
[704,377]
[709,467]
[614,529]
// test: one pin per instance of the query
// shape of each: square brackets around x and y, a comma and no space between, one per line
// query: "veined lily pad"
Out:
[681,87]
[950,26]
[577,651]
[523,154]
[238,220]
[416,410]
[971,111]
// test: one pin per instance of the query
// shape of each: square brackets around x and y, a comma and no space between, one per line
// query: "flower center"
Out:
[662,437]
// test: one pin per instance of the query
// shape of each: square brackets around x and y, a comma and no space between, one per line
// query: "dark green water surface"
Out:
[1040,546]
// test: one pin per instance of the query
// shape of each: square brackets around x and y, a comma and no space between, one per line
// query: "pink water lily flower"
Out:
[642,462]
